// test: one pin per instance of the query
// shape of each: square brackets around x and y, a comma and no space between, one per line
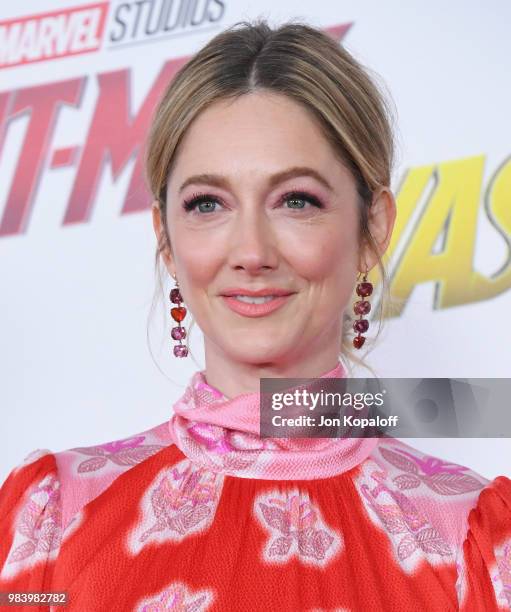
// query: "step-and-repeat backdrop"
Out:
[81,360]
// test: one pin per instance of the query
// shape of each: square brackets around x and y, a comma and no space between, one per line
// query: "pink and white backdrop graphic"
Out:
[78,82]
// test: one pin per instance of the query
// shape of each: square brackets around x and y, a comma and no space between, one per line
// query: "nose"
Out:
[253,243]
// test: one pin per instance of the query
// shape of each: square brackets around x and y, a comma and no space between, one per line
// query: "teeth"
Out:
[254,300]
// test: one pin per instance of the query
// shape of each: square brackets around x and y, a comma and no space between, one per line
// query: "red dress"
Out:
[195,515]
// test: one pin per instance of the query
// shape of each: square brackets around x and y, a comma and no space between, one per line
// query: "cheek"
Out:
[327,255]
[197,259]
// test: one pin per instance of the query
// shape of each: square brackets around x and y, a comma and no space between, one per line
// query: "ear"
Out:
[381,219]
[159,231]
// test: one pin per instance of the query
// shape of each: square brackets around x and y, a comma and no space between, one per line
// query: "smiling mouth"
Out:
[254,300]
[255,306]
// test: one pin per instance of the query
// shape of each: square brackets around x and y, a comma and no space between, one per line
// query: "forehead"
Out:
[259,132]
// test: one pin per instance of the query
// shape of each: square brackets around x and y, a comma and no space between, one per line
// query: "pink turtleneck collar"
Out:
[222,434]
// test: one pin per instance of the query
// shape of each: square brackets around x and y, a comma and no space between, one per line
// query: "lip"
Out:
[256,293]
[255,310]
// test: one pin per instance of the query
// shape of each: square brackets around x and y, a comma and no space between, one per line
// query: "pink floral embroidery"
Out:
[178,598]
[297,528]
[502,577]
[39,522]
[403,517]
[120,452]
[439,476]
[117,445]
[228,457]
[432,465]
[182,500]
[207,434]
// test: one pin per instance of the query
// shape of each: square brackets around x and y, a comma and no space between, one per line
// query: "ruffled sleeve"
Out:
[30,526]
[484,563]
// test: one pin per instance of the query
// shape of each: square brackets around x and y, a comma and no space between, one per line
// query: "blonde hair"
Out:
[307,65]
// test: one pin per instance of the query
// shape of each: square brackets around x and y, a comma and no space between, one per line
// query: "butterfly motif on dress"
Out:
[181,501]
[402,516]
[299,529]
[439,476]
[127,452]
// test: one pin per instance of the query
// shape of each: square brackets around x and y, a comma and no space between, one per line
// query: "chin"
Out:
[258,351]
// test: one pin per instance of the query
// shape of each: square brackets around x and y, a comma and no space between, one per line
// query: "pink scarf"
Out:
[222,435]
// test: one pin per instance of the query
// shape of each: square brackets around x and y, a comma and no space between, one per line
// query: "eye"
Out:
[198,200]
[205,202]
[296,198]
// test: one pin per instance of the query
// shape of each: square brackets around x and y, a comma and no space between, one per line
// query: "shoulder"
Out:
[82,473]
[412,469]
[443,491]
[85,472]
[41,499]
[458,514]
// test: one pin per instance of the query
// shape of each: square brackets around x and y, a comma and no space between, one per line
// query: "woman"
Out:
[270,162]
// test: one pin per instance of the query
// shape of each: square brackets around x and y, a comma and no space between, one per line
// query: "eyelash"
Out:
[197,199]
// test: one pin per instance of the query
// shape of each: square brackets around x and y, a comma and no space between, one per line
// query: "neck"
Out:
[235,377]
[223,435]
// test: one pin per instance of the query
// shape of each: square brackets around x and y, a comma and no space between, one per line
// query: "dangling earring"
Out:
[362,307]
[178,313]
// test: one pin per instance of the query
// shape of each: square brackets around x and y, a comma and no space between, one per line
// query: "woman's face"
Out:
[249,231]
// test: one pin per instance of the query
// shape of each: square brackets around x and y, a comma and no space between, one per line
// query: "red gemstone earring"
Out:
[178,313]
[362,307]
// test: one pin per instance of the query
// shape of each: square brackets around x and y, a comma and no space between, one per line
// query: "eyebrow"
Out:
[218,180]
